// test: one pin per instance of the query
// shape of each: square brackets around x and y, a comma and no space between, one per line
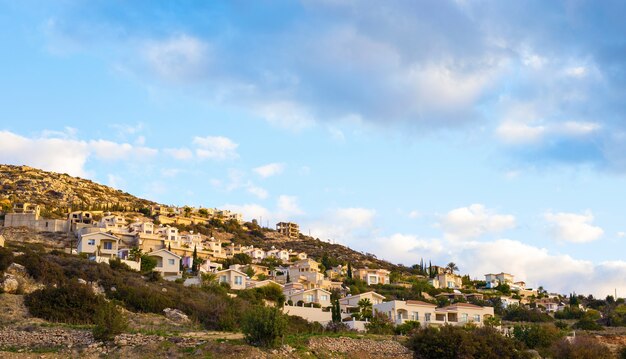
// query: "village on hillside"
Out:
[314,289]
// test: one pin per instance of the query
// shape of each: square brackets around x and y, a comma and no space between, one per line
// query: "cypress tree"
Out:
[194,264]
[349,271]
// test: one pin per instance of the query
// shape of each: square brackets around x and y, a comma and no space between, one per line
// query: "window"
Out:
[450,284]
[415,316]
[238,280]
[171,262]
[172,238]
[464,318]
[308,298]
[427,317]
[223,279]
[108,245]
[323,298]
[91,242]
[477,318]
[373,279]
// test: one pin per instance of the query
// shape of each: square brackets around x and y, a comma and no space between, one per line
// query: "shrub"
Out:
[41,269]
[109,321]
[580,347]
[455,342]
[521,314]
[6,258]
[116,264]
[71,303]
[263,326]
[148,263]
[407,327]
[587,323]
[622,353]
[379,324]
[536,336]
[561,325]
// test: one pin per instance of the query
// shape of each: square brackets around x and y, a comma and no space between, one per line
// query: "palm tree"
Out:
[365,308]
[452,267]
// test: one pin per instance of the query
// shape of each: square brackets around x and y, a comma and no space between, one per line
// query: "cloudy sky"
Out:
[488,133]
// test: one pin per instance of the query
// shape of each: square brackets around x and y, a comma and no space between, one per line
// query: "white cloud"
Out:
[621,234]
[270,169]
[113,151]
[114,181]
[51,154]
[286,114]
[414,214]
[518,132]
[215,147]
[258,191]
[573,227]
[178,58]
[179,153]
[536,266]
[355,217]
[288,206]
[474,221]
[63,154]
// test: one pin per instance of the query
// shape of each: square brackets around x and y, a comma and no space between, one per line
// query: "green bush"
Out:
[407,327]
[109,321]
[521,314]
[449,342]
[379,324]
[71,303]
[116,264]
[264,326]
[42,269]
[148,263]
[587,323]
[6,258]
[581,347]
[571,312]
[536,336]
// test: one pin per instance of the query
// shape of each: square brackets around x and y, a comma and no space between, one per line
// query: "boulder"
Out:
[17,269]
[10,284]
[176,315]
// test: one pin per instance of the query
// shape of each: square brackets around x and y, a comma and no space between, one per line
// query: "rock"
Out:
[113,289]
[16,269]
[10,284]
[82,281]
[176,315]
[164,290]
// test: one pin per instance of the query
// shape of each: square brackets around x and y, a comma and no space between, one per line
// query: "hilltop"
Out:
[58,192]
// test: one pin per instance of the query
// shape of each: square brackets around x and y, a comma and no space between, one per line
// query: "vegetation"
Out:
[70,302]
[264,326]
[109,321]
[6,258]
[536,336]
[457,342]
[521,314]
[581,347]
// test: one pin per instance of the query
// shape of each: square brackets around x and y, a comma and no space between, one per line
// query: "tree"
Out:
[134,254]
[349,271]
[365,308]
[148,263]
[169,246]
[194,264]
[379,324]
[336,311]
[288,278]
[264,326]
[109,321]
[452,267]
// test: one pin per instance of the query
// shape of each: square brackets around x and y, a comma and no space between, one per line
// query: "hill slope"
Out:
[60,191]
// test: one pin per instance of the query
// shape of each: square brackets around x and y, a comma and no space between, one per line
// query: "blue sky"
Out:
[488,133]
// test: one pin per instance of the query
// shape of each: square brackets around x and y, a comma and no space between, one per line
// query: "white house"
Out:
[352,301]
[235,278]
[168,263]
[98,243]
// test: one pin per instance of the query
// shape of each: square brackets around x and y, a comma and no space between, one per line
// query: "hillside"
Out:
[57,192]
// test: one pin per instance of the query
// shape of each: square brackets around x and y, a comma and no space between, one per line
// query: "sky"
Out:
[487,133]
